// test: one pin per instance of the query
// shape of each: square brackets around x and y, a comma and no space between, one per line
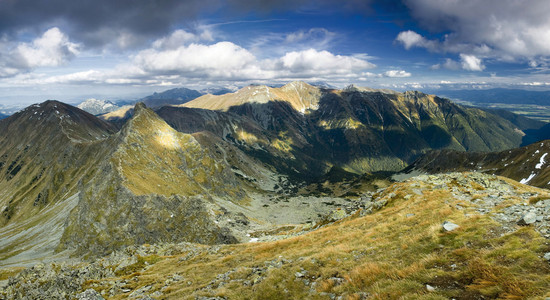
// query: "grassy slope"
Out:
[387,255]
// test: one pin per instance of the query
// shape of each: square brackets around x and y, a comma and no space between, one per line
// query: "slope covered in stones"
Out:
[431,237]
[528,164]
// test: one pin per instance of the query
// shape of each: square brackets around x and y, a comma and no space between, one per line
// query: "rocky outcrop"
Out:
[110,217]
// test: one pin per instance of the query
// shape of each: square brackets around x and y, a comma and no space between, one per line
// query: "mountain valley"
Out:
[274,193]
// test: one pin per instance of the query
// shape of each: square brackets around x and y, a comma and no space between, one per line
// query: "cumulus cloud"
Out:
[165,63]
[51,49]
[180,38]
[411,39]
[312,61]
[397,73]
[223,59]
[449,64]
[471,63]
[514,29]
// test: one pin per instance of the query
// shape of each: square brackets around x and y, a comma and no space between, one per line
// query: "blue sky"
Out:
[73,50]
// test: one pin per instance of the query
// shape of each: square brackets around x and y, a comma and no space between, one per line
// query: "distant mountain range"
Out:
[173,96]
[98,107]
[168,97]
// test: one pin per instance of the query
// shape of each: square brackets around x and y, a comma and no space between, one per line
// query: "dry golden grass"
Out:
[387,255]
[9,272]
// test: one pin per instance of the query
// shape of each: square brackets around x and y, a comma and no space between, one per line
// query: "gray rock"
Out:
[547,256]
[528,218]
[300,274]
[449,226]
[89,294]
[430,288]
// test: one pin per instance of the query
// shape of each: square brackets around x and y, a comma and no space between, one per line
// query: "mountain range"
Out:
[257,164]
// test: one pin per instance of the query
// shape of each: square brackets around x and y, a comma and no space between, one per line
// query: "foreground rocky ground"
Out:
[457,235]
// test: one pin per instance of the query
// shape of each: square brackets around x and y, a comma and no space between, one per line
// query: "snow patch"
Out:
[526,180]
[541,162]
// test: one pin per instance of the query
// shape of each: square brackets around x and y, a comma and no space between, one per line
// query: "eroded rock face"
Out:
[109,216]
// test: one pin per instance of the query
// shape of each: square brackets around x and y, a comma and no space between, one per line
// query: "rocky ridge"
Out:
[358,129]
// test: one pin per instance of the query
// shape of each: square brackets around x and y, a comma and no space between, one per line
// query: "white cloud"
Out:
[411,39]
[53,48]
[184,58]
[513,30]
[397,73]
[449,64]
[471,63]
[312,61]
[319,35]
[180,38]
[223,59]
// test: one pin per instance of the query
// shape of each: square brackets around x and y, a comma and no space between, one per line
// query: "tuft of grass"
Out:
[142,262]
[535,199]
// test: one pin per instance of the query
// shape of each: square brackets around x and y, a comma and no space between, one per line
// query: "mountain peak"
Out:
[355,88]
[297,84]
[56,116]
[140,106]
[300,95]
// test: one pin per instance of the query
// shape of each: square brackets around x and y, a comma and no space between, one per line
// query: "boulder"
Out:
[528,218]
[449,226]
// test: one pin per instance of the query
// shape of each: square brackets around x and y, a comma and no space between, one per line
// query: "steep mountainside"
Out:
[358,129]
[45,150]
[527,164]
